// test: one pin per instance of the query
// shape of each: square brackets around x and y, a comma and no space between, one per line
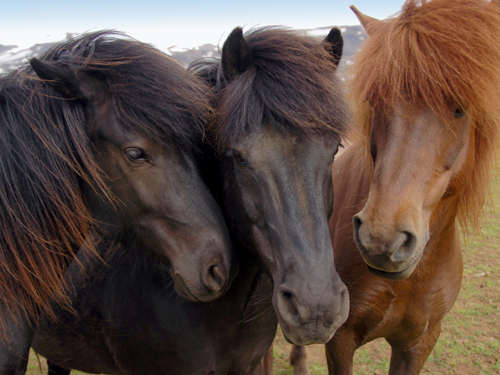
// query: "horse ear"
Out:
[370,24]
[61,79]
[68,84]
[235,55]
[334,44]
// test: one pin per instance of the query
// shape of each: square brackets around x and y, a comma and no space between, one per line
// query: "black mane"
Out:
[290,83]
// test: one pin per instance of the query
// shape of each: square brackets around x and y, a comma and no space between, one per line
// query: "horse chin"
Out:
[182,289]
[391,270]
[399,275]
[303,334]
[306,337]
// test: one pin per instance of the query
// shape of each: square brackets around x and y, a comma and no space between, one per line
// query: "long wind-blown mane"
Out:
[436,53]
[290,83]
[47,154]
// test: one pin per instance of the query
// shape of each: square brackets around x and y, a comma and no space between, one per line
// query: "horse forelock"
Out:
[290,84]
[435,54]
[150,92]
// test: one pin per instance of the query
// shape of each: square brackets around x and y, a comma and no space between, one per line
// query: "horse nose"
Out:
[300,310]
[214,277]
[395,247]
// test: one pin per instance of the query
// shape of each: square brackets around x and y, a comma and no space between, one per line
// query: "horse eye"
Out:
[237,157]
[459,113]
[240,160]
[136,154]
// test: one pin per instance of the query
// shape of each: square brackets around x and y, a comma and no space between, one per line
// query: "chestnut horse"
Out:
[100,140]
[426,93]
[280,118]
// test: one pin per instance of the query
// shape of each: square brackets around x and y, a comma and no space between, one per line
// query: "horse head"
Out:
[144,114]
[281,116]
[427,99]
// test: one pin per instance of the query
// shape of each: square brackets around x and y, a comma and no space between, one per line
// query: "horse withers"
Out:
[425,89]
[101,137]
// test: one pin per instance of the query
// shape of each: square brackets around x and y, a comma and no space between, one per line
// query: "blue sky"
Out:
[167,23]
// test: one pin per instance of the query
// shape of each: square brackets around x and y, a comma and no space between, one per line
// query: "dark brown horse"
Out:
[280,116]
[426,92]
[100,140]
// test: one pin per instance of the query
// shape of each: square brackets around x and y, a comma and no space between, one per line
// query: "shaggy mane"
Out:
[291,84]
[436,53]
[46,155]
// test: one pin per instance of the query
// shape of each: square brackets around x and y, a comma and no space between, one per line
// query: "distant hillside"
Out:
[353,38]
[12,56]
[185,56]
[4,49]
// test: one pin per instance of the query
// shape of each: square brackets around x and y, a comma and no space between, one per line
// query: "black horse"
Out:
[280,115]
[101,140]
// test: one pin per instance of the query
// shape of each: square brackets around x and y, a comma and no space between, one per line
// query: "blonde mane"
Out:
[432,54]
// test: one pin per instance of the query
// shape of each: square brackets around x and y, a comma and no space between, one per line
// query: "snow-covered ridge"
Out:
[13,56]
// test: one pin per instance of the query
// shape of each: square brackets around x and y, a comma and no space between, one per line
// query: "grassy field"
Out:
[470,339]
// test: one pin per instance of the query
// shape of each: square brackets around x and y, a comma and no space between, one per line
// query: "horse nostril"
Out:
[288,305]
[410,240]
[287,295]
[406,248]
[357,223]
[215,278]
[344,296]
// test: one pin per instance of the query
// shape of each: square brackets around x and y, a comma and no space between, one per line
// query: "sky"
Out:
[165,24]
